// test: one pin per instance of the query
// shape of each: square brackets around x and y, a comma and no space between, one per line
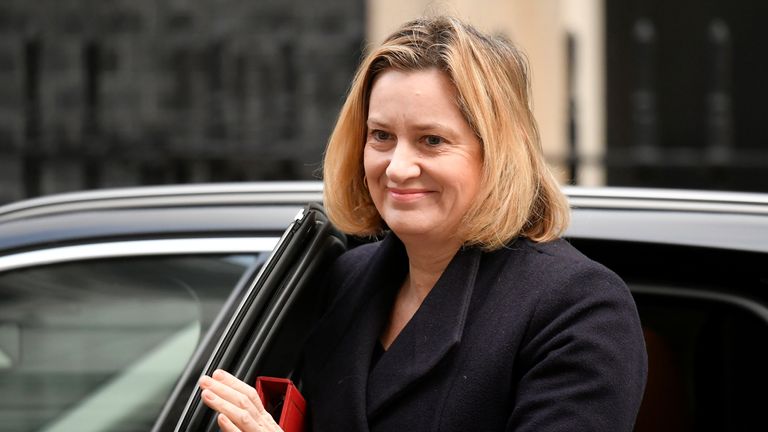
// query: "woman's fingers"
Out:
[238,404]
[231,381]
[226,424]
[247,399]
[243,419]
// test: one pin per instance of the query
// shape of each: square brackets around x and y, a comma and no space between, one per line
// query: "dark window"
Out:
[706,365]
[704,312]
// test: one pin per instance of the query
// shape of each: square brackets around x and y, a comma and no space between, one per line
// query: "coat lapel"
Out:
[342,355]
[435,328]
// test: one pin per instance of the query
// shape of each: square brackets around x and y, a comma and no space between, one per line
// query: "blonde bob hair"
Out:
[518,194]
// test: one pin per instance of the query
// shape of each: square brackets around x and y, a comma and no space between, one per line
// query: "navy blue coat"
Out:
[533,337]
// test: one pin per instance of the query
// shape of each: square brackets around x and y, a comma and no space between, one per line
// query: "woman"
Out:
[471,313]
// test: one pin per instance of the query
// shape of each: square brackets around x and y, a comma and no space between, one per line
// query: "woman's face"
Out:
[423,161]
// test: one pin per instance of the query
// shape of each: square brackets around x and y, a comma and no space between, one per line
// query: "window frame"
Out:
[147,247]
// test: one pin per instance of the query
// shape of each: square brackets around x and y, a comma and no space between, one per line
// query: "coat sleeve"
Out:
[583,363]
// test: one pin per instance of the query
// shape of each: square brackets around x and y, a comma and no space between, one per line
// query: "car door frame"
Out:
[289,284]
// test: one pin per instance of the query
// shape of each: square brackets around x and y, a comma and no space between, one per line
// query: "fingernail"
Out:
[208,395]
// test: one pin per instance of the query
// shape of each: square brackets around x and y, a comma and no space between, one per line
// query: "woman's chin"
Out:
[421,233]
[410,229]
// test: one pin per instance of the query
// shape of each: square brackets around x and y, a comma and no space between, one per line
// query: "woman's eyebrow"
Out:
[435,126]
[373,121]
[421,127]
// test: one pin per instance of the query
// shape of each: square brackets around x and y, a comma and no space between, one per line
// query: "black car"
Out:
[112,303]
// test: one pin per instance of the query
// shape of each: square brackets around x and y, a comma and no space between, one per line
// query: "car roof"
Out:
[724,220]
[188,195]
[168,211]
[695,218]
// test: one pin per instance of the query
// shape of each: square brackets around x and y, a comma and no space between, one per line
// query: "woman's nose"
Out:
[404,164]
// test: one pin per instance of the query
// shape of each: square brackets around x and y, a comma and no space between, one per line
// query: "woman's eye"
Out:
[380,135]
[433,140]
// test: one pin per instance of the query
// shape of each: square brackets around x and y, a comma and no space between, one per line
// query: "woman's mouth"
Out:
[407,195]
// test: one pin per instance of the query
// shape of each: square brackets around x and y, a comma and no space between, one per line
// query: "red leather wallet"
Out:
[284,402]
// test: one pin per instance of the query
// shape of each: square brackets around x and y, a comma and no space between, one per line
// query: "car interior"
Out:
[705,327]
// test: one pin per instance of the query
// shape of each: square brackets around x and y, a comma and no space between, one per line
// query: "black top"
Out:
[532,337]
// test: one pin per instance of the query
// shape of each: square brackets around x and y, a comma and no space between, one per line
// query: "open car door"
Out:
[266,333]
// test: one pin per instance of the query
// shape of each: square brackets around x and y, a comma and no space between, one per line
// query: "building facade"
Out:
[103,93]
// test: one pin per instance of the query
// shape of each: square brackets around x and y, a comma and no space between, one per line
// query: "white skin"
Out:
[423,164]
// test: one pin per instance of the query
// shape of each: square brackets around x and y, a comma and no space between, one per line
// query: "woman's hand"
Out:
[237,403]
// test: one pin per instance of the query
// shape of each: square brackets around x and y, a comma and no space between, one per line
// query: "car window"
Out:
[98,345]
[705,317]
[706,361]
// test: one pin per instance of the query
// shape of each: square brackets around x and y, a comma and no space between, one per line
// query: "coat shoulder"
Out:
[351,263]
[561,251]
[557,264]
[349,266]
[357,257]
[578,316]
[552,280]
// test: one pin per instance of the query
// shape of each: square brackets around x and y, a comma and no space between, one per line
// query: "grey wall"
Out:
[100,93]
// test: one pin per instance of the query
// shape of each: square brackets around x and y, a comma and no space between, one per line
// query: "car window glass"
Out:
[706,365]
[98,345]
[705,321]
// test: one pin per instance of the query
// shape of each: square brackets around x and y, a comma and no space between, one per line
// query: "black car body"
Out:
[112,303]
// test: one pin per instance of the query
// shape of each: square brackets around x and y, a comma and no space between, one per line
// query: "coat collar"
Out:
[435,328]
[341,351]
[359,317]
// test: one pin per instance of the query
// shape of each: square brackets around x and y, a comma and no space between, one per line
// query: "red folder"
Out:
[282,399]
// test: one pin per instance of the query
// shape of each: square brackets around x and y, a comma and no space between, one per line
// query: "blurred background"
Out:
[109,93]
